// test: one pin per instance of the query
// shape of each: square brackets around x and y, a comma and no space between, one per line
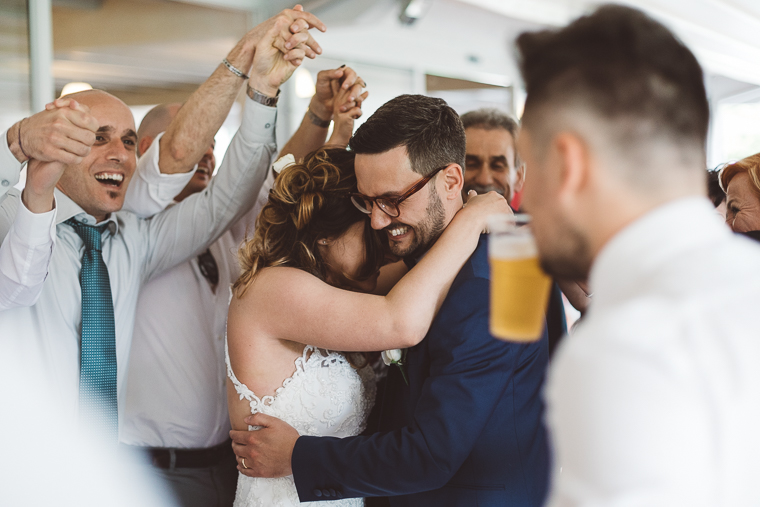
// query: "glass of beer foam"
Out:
[519,288]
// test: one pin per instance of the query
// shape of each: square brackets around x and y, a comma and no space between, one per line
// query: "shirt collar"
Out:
[656,238]
[67,208]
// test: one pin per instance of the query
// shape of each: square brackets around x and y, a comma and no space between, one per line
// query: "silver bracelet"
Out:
[234,69]
[259,97]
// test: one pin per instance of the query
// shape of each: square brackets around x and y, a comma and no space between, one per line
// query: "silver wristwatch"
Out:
[259,97]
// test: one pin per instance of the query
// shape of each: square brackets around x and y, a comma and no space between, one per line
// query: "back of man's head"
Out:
[431,131]
[156,120]
[623,80]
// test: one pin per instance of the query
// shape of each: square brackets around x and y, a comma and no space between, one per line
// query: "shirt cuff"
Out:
[150,191]
[35,229]
[259,121]
[10,168]
[148,167]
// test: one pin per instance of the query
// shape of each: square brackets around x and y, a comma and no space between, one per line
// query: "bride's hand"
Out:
[479,207]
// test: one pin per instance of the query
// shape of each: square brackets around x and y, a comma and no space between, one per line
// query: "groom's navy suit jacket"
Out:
[466,431]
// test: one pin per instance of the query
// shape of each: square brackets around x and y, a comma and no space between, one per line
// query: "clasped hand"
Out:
[281,44]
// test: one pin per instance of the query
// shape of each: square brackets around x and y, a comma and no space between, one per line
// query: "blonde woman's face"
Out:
[344,257]
[742,204]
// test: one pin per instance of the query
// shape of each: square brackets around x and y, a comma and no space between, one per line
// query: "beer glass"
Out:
[519,288]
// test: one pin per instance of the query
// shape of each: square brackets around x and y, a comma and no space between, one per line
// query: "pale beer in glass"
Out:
[519,288]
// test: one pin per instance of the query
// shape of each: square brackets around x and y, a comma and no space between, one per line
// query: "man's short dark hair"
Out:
[624,68]
[490,118]
[430,130]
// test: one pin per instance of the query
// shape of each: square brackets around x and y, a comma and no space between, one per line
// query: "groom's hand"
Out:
[267,452]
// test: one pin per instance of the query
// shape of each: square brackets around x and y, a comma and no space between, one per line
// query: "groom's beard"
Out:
[428,231]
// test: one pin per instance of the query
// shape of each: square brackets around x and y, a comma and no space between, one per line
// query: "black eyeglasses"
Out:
[389,205]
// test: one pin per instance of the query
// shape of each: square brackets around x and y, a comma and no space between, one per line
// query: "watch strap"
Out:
[259,97]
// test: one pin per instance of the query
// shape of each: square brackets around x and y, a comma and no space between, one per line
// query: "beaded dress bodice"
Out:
[325,396]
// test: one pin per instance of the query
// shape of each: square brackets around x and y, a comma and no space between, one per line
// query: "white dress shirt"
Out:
[26,251]
[134,249]
[25,256]
[655,399]
[176,385]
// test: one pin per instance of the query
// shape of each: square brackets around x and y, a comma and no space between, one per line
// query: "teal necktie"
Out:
[97,369]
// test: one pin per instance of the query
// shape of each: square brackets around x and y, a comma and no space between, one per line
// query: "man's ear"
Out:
[575,165]
[144,144]
[453,181]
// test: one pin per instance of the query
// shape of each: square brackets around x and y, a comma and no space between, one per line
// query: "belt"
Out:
[162,457]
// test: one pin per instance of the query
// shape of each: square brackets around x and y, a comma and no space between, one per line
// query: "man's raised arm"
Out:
[193,129]
[182,230]
[336,91]
[164,170]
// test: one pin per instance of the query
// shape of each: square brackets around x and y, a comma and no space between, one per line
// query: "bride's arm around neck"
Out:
[289,304]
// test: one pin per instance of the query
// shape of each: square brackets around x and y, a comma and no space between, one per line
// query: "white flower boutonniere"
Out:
[397,357]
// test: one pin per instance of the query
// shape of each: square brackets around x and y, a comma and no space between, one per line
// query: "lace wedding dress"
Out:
[325,396]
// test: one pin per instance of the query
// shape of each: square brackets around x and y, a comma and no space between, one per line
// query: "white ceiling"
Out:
[469,39]
[724,34]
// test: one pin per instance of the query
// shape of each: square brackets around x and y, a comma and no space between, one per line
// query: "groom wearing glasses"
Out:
[467,429]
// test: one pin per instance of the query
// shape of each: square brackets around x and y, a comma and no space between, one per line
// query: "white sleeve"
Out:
[245,227]
[187,228]
[10,168]
[151,191]
[25,257]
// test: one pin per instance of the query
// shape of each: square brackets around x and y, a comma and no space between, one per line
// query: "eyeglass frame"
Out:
[394,201]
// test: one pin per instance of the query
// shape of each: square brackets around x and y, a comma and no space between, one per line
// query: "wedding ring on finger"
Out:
[242,462]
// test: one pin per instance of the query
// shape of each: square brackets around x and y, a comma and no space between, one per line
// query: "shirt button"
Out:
[317,493]
[5,183]
[267,125]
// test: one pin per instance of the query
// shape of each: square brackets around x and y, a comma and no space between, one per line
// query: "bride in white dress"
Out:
[310,275]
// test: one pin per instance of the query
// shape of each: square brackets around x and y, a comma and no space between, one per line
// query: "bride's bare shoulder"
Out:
[279,278]
[270,298]
[274,284]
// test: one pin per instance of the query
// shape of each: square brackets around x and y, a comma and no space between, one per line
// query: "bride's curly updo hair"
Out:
[309,201]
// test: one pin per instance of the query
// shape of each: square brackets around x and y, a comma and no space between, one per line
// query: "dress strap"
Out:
[240,388]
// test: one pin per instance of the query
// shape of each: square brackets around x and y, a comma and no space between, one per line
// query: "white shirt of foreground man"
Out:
[47,334]
[88,472]
[645,376]
[654,400]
